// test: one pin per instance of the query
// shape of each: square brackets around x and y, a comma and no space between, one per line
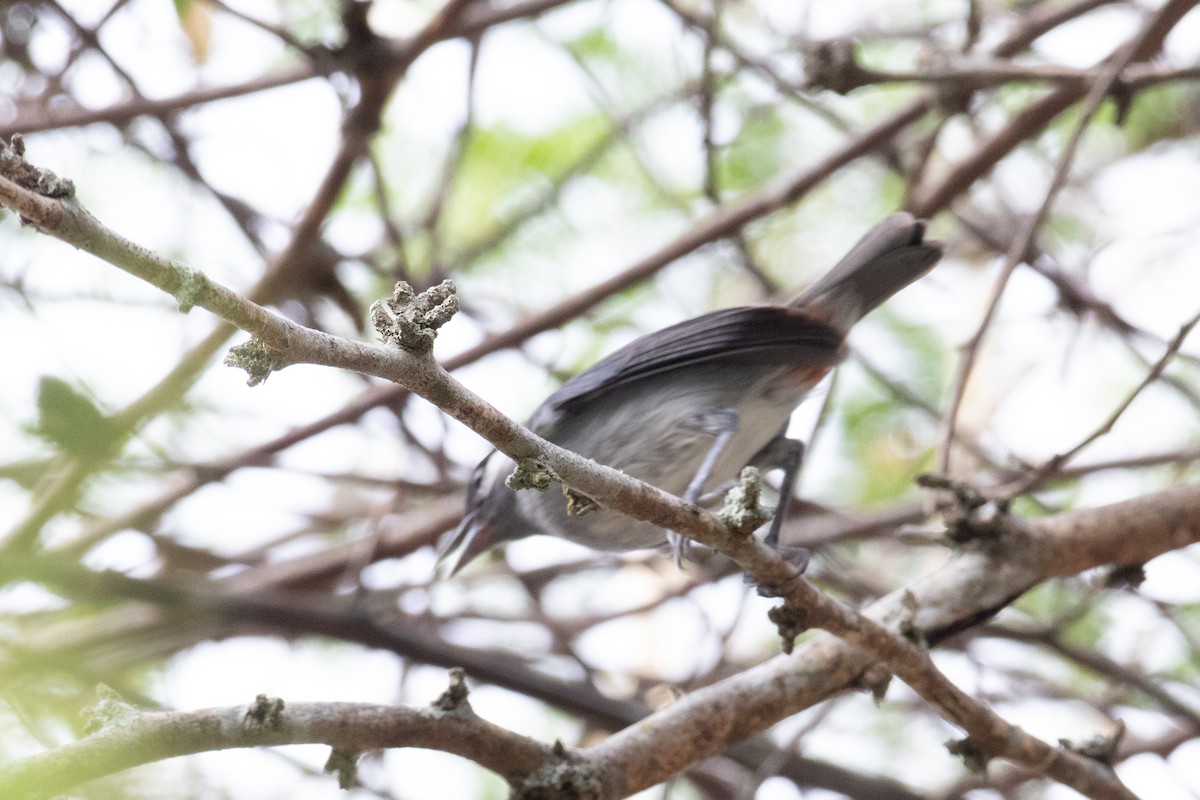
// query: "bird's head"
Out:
[492,516]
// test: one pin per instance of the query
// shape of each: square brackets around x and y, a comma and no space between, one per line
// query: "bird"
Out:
[687,407]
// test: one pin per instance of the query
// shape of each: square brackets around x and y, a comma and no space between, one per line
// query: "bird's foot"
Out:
[679,547]
[798,556]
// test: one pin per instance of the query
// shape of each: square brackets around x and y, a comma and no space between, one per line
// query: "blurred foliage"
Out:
[754,156]
[1162,113]
[195,20]
[70,420]
[502,166]
[887,440]
[525,213]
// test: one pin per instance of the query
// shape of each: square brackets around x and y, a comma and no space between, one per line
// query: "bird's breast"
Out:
[659,430]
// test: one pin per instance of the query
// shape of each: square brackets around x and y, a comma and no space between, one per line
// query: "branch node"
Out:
[454,699]
[1101,747]
[972,754]
[264,712]
[790,621]
[411,320]
[108,713]
[967,495]
[876,679]
[531,473]
[907,622]
[741,512]
[192,284]
[255,358]
[564,776]
[578,504]
[14,167]
[832,65]
[1123,576]
[953,97]
[344,764]
[970,517]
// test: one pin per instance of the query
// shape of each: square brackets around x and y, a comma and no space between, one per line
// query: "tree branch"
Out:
[974,585]
[128,738]
[283,342]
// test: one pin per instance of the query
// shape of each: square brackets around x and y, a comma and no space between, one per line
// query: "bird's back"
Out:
[650,408]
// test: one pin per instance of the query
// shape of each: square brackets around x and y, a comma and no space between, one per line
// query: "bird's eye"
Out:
[477,478]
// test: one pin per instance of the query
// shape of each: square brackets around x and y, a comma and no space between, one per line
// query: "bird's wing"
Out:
[743,335]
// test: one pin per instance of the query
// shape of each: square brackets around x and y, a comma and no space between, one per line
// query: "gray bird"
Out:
[687,407]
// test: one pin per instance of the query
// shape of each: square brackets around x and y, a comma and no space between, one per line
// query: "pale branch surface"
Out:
[141,737]
[286,343]
[967,590]
[700,156]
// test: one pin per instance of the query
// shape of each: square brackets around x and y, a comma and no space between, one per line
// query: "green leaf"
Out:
[755,156]
[501,165]
[71,421]
[595,44]
[1162,113]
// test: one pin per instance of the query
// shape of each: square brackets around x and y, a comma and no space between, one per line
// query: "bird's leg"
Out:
[717,492]
[786,454]
[723,423]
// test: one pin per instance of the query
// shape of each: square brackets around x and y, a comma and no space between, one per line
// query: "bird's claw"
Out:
[799,558]
[679,547]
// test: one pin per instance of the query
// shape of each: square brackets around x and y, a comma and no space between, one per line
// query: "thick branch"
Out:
[969,589]
[284,342]
[143,737]
[709,721]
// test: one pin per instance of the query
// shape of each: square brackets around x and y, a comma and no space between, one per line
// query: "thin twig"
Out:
[1053,464]
[1134,49]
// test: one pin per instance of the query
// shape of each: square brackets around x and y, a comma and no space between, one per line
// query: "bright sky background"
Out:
[1147,206]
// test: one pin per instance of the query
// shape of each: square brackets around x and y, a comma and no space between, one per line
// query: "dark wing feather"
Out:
[747,334]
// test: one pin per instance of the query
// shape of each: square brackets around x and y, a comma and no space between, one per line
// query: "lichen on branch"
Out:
[411,320]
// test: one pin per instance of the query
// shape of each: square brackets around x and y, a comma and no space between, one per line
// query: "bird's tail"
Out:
[890,256]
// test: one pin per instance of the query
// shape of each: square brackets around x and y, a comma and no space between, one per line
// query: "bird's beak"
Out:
[474,535]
